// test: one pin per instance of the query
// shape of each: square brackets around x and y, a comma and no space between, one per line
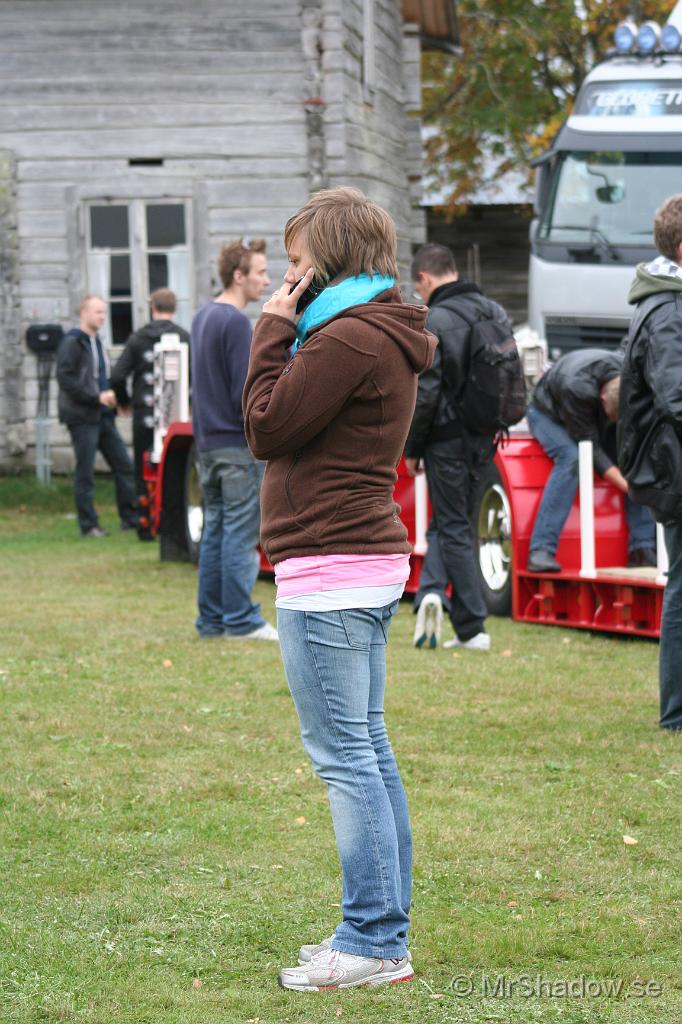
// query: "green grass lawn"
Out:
[165,847]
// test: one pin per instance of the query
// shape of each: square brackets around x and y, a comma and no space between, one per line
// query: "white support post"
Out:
[586,478]
[420,514]
[661,555]
[171,387]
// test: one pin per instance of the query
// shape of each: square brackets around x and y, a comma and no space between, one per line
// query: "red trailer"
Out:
[610,598]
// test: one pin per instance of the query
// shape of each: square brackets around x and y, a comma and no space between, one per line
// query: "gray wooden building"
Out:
[136,136]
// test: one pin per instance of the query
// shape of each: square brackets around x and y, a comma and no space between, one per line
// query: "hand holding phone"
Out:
[312,291]
[285,300]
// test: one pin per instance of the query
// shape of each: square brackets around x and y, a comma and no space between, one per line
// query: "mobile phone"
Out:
[311,292]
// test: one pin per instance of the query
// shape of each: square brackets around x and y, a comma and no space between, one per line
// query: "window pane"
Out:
[109,227]
[120,275]
[158,271]
[121,322]
[165,225]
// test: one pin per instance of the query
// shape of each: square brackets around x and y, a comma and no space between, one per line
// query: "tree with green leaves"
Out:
[497,105]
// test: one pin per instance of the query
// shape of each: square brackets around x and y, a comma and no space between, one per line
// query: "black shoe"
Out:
[125,527]
[642,557]
[542,561]
[95,531]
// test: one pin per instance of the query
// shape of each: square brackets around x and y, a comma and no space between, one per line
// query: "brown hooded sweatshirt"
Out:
[332,424]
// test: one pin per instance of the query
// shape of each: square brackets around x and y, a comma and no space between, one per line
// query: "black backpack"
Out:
[493,397]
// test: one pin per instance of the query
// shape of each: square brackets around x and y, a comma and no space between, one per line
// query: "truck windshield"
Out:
[609,196]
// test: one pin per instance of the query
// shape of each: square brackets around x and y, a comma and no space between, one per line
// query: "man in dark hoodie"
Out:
[86,407]
[137,360]
[453,456]
[650,427]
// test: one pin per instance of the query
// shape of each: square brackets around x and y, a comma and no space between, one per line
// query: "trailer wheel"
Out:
[492,519]
[182,514]
[194,505]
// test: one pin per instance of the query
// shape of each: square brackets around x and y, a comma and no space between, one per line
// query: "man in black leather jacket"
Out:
[137,361]
[86,406]
[650,427]
[577,400]
[453,457]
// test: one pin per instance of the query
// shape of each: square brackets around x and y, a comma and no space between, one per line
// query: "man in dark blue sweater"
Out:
[230,476]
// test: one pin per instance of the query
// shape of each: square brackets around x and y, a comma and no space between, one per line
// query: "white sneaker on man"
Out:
[429,623]
[264,632]
[480,642]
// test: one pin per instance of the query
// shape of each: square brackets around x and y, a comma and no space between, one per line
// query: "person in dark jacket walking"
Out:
[650,428]
[86,407]
[577,400]
[137,360]
[453,457]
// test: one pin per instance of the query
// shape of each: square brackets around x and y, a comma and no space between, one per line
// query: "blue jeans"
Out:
[86,439]
[670,657]
[335,662]
[562,486]
[228,555]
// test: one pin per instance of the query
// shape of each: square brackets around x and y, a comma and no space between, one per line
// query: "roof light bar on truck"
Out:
[624,36]
[648,37]
[671,39]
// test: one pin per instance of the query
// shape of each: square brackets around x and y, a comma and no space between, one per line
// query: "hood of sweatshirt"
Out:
[661,275]
[403,322]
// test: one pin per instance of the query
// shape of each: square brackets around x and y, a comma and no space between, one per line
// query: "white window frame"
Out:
[138,250]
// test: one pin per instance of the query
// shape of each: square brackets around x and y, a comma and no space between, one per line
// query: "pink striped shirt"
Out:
[314,574]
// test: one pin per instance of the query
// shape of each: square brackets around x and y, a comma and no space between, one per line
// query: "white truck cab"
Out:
[614,161]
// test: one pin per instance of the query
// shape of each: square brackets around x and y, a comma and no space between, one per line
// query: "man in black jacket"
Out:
[86,407]
[453,457]
[137,359]
[650,428]
[577,400]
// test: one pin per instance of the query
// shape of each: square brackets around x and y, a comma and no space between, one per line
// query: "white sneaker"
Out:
[429,622]
[306,953]
[480,642]
[264,632]
[331,969]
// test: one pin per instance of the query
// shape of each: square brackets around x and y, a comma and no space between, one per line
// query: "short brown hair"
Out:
[237,256]
[433,259]
[345,232]
[163,300]
[668,227]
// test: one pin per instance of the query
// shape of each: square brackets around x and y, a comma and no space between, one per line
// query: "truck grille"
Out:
[566,336]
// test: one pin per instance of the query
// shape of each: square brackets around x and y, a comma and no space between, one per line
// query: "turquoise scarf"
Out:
[352,291]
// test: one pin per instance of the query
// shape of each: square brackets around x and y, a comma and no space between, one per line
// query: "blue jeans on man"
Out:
[562,486]
[228,554]
[87,438]
[335,663]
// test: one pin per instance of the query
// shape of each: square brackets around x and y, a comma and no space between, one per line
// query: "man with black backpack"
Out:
[650,428]
[473,392]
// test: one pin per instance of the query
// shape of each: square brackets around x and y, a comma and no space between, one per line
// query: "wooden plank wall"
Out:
[215,89]
[372,136]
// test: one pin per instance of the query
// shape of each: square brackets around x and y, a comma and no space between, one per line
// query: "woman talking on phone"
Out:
[328,403]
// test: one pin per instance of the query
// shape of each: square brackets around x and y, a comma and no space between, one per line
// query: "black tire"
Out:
[182,515]
[194,505]
[492,524]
